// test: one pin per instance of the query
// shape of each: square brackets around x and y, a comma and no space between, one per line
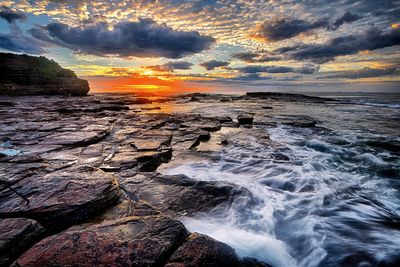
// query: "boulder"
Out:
[201,250]
[245,119]
[131,241]
[179,194]
[17,235]
[28,75]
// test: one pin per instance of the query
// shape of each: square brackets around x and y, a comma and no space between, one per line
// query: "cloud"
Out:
[307,69]
[351,44]
[19,43]
[281,29]
[171,66]
[16,40]
[363,73]
[212,64]
[11,16]
[144,38]
[250,57]
[348,17]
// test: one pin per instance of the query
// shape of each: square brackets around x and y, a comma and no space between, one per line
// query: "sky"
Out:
[174,46]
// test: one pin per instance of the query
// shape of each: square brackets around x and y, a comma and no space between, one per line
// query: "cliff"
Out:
[29,75]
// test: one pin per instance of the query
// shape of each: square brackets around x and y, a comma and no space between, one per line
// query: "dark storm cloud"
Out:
[347,45]
[21,44]
[179,65]
[144,38]
[348,17]
[281,29]
[212,64]
[363,73]
[10,16]
[255,57]
[307,69]
[245,56]
[171,66]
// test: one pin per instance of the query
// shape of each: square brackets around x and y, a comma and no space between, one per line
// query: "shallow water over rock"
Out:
[323,194]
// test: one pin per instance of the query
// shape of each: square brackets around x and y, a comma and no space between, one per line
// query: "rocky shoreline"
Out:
[80,184]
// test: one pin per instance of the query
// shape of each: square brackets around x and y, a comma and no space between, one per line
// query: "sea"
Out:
[318,196]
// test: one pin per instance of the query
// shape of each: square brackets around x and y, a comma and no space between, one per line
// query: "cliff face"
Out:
[28,75]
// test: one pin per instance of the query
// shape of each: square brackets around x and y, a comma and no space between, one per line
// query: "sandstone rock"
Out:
[132,241]
[178,194]
[201,250]
[17,235]
[28,75]
[127,208]
[60,198]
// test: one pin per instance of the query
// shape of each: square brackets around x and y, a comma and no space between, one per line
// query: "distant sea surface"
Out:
[320,196]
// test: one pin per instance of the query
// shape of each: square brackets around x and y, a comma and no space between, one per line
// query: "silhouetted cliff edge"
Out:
[29,75]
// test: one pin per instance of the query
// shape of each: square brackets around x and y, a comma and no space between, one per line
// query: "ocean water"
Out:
[322,196]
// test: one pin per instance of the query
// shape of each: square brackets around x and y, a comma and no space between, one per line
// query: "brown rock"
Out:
[16,235]
[132,241]
[61,198]
[178,194]
[201,250]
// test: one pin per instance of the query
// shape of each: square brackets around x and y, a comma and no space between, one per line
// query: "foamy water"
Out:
[331,201]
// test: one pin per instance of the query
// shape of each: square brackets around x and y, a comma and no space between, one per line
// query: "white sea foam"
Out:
[297,206]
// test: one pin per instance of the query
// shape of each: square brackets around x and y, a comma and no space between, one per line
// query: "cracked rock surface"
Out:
[79,182]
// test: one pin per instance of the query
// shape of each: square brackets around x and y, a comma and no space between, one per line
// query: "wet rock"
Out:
[224,142]
[60,198]
[80,138]
[145,160]
[299,121]
[201,250]
[390,145]
[17,235]
[127,208]
[179,194]
[151,142]
[132,241]
[287,97]
[280,156]
[245,119]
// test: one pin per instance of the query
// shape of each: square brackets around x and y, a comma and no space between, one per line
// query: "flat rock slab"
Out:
[132,241]
[60,198]
[16,235]
[179,194]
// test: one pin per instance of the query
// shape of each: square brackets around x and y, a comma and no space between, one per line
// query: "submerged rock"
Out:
[28,75]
